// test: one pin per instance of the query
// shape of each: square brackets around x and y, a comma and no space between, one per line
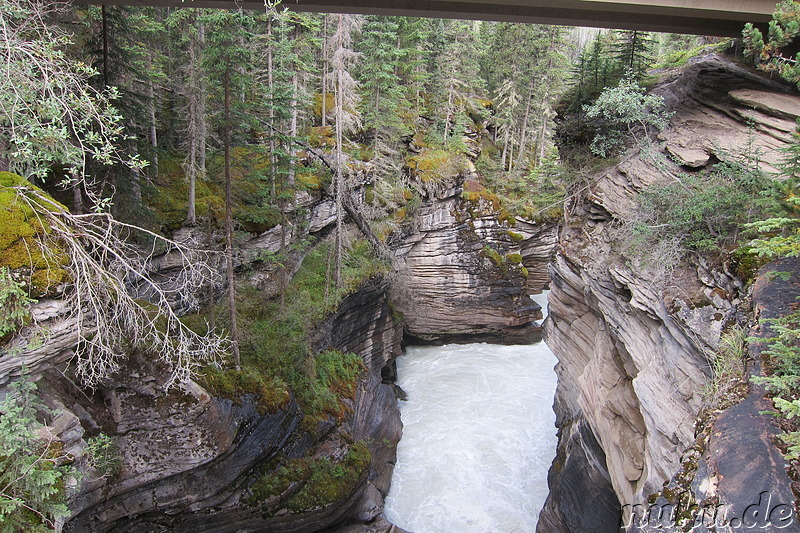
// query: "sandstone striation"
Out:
[632,334]
[188,460]
[463,275]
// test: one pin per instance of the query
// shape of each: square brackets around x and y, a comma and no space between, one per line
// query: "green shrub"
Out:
[103,455]
[705,211]
[32,469]
[14,304]
[783,379]
[625,111]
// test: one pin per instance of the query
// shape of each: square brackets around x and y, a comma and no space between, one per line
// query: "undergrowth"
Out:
[729,382]
[311,482]
[277,360]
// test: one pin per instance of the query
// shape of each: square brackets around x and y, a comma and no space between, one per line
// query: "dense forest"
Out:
[133,124]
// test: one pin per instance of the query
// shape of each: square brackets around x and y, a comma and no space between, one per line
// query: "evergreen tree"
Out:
[124,45]
[633,52]
[228,60]
[526,86]
[33,468]
[49,113]
[413,37]
[378,72]
[189,37]
[775,53]
[457,75]
[379,79]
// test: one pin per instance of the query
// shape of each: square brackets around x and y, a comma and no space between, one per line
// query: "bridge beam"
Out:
[700,17]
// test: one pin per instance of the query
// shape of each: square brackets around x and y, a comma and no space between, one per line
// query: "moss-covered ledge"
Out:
[26,245]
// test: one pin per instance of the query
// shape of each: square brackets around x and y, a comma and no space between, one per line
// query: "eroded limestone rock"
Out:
[464,275]
[633,337]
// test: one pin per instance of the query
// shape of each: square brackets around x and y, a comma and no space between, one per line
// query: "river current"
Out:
[478,438]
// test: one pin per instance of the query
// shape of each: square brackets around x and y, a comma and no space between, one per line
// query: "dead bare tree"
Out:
[110,322]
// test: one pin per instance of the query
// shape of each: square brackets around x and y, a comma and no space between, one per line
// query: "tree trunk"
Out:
[135,181]
[506,142]
[292,131]
[193,126]
[325,45]
[151,111]
[543,129]
[339,186]
[273,160]
[105,45]
[510,152]
[229,223]
[448,111]
[202,129]
[284,277]
[77,198]
[523,134]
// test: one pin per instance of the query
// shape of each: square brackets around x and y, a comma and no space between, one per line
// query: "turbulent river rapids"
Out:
[478,438]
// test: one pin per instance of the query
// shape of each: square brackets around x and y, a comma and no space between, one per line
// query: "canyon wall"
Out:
[634,336]
[189,460]
[465,273]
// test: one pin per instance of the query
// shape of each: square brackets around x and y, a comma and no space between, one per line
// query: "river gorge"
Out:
[478,438]
[455,434]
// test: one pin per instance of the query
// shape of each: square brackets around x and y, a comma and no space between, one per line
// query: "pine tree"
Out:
[413,38]
[633,52]
[457,74]
[525,86]
[775,52]
[189,36]
[228,61]
[124,45]
[378,72]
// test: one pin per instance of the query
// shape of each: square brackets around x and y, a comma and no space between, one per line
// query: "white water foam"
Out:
[478,438]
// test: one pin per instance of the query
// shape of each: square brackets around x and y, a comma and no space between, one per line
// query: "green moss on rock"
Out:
[270,393]
[308,483]
[514,258]
[331,481]
[515,237]
[436,165]
[496,257]
[22,234]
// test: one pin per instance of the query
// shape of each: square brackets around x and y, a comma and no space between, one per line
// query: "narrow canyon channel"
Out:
[478,437]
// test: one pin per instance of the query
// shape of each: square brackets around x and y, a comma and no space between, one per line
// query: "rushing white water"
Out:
[478,438]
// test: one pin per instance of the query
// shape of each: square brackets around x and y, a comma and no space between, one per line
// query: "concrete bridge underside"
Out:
[701,17]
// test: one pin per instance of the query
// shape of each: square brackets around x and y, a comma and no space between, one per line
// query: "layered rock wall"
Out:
[465,275]
[188,459]
[634,335]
